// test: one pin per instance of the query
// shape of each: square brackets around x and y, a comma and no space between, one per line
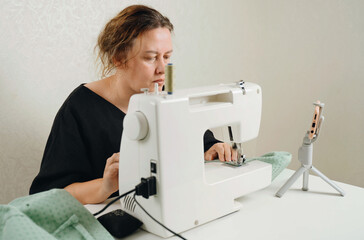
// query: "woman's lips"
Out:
[159,81]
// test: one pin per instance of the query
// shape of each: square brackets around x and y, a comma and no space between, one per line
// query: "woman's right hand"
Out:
[110,180]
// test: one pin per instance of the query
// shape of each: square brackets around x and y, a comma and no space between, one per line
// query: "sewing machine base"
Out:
[221,183]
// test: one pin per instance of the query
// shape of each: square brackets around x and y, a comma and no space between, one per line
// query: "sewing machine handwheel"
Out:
[135,126]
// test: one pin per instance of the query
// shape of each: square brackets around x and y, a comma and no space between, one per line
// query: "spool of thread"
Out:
[169,78]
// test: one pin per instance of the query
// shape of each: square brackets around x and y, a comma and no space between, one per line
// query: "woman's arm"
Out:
[98,190]
[88,192]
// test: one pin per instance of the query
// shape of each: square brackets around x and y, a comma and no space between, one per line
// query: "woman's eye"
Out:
[150,58]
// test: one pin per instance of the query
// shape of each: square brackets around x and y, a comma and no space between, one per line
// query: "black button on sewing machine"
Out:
[153,167]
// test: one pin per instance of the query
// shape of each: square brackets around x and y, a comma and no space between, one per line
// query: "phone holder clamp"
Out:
[305,157]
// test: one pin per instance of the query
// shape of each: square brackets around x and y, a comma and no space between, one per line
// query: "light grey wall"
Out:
[298,51]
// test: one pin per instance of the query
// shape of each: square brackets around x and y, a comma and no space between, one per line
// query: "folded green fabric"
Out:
[279,161]
[52,214]
[15,225]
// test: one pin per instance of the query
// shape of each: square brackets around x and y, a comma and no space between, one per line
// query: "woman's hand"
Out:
[110,180]
[98,190]
[223,151]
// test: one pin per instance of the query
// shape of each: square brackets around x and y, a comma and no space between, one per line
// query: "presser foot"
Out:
[237,163]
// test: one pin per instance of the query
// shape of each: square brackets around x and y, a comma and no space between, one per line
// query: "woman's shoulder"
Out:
[99,88]
[88,98]
[78,97]
[87,92]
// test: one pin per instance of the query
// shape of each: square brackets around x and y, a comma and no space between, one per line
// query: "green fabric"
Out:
[279,161]
[52,214]
[15,225]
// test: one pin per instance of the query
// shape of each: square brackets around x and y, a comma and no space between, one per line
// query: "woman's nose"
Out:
[160,66]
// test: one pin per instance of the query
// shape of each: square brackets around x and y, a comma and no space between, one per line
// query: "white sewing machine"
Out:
[163,136]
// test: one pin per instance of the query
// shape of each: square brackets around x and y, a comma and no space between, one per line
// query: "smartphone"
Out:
[315,121]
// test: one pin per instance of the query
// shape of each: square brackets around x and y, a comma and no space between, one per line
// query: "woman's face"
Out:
[147,60]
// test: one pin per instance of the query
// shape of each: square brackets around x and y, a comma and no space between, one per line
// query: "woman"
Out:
[81,154]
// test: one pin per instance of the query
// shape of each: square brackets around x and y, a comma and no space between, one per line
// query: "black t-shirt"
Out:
[86,131]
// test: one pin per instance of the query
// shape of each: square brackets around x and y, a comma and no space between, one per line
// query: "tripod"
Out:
[305,157]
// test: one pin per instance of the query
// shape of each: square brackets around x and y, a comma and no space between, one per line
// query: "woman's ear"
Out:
[116,62]
[119,63]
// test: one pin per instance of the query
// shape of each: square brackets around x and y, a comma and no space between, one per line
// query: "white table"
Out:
[320,213]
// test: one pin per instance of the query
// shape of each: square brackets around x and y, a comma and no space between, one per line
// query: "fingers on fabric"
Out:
[222,151]
[227,152]
[211,154]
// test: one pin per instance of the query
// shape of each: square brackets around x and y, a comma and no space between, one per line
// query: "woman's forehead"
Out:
[156,40]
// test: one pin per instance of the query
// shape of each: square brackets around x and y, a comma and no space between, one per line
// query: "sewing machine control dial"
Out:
[135,126]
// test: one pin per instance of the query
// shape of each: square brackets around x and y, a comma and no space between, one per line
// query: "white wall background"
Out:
[298,51]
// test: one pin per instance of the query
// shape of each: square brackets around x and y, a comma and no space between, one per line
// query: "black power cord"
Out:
[113,201]
[147,187]
[157,220]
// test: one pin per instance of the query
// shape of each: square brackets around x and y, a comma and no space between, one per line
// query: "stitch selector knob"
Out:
[135,126]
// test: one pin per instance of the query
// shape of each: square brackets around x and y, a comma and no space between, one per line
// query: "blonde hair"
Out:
[119,34]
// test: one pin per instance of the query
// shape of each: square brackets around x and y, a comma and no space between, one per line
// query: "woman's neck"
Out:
[120,93]
[114,90]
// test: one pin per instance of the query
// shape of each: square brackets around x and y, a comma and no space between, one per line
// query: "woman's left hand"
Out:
[223,151]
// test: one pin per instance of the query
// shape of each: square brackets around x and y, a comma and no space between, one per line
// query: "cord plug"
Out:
[147,187]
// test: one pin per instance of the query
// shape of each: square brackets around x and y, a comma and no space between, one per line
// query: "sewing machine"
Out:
[163,137]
